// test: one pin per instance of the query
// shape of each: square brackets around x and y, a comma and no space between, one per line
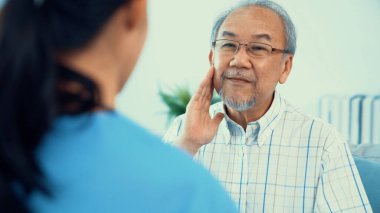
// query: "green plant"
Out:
[177,98]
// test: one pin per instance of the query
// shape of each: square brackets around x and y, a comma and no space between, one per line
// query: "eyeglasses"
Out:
[254,49]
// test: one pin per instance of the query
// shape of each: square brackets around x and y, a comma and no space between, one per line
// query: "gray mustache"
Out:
[238,73]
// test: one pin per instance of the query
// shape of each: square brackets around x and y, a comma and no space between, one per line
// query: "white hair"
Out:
[289,29]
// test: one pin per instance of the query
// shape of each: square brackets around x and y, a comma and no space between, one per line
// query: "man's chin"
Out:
[238,105]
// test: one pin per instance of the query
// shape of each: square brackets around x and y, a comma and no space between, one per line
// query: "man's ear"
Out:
[286,69]
[211,57]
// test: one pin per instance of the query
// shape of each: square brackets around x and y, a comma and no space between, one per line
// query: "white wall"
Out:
[338,52]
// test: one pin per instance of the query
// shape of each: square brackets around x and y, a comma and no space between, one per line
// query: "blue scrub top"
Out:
[103,162]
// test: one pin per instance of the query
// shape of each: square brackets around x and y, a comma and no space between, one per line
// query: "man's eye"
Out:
[257,48]
[229,45]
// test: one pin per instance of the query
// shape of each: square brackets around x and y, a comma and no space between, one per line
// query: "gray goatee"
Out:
[234,104]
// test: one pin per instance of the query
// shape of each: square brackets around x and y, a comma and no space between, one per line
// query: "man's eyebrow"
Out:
[256,36]
[228,33]
[262,36]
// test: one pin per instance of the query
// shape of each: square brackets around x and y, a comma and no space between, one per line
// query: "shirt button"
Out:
[249,141]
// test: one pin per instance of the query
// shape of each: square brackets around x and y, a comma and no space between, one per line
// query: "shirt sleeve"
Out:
[340,188]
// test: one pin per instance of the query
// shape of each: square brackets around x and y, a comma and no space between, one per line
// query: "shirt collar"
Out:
[265,124]
[225,126]
[271,118]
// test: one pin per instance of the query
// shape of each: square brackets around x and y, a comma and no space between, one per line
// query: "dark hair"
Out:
[32,32]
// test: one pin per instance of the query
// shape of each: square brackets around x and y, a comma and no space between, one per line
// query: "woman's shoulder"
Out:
[112,158]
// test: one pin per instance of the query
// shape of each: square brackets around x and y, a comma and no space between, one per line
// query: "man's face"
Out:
[244,80]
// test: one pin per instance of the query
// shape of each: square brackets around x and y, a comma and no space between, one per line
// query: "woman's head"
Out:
[114,48]
[37,38]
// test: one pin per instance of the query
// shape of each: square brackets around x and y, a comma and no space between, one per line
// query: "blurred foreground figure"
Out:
[63,147]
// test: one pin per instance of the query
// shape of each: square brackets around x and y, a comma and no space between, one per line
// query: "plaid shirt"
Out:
[284,162]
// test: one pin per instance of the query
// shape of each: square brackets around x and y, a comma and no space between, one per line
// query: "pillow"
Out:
[368,151]
[370,175]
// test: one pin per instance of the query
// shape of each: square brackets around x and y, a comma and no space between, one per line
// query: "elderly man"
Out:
[267,154]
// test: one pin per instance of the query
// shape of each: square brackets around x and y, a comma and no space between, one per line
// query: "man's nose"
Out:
[241,59]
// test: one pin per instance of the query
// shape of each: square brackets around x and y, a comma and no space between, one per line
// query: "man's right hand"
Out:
[199,127]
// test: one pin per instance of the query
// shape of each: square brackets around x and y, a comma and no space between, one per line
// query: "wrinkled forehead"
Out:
[253,23]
